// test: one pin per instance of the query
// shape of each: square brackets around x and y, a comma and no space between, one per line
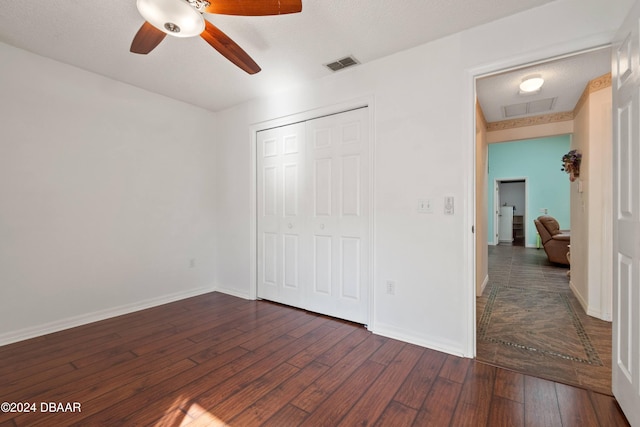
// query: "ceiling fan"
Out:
[183,18]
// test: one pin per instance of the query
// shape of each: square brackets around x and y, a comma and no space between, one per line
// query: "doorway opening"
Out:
[530,317]
[510,207]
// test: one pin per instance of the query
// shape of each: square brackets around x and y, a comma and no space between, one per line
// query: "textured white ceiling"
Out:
[565,79]
[290,49]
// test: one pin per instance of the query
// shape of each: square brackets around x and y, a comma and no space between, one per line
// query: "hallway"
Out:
[528,320]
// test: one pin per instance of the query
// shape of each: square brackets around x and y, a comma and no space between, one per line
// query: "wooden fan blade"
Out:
[146,39]
[254,7]
[228,48]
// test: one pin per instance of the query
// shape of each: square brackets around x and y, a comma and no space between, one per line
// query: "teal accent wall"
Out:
[539,161]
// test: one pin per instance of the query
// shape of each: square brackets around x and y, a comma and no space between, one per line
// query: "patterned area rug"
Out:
[536,321]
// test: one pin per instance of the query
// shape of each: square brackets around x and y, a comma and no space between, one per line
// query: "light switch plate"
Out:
[449,207]
[425,206]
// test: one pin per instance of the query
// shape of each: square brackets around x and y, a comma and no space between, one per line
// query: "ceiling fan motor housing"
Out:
[174,17]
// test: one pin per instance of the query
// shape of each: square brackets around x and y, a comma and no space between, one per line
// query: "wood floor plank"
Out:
[307,327]
[321,346]
[607,410]
[129,345]
[148,347]
[266,407]
[87,384]
[397,415]
[264,314]
[440,403]
[455,368]
[230,320]
[413,391]
[10,368]
[249,385]
[23,386]
[206,391]
[194,382]
[236,403]
[334,408]
[42,385]
[475,399]
[506,413]
[253,334]
[509,385]
[344,347]
[158,397]
[540,403]
[283,325]
[576,408]
[290,415]
[211,347]
[107,401]
[375,400]
[324,387]
[387,352]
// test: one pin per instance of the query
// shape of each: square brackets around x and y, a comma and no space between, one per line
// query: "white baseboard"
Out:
[83,319]
[591,311]
[485,282]
[607,317]
[595,313]
[401,335]
[233,292]
[579,297]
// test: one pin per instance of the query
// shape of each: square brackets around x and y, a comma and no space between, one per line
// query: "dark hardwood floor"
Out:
[220,360]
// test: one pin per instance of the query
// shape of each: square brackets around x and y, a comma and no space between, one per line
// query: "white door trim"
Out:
[301,117]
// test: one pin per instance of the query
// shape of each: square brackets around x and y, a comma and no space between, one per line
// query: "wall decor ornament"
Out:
[571,164]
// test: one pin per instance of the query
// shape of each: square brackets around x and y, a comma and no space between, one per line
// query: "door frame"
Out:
[363,102]
[509,63]
[496,208]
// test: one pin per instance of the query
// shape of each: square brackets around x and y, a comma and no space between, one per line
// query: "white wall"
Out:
[106,194]
[591,238]
[601,207]
[423,130]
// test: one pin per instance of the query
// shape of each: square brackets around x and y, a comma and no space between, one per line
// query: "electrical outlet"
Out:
[391,287]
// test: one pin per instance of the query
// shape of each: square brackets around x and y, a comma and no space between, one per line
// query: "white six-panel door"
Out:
[282,213]
[337,153]
[626,218]
[313,215]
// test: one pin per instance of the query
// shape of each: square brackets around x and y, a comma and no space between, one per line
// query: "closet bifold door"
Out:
[282,218]
[313,215]
[338,164]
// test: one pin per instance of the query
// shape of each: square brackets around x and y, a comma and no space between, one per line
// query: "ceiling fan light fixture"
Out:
[174,17]
[531,84]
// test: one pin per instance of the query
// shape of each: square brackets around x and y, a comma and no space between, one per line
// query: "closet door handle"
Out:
[289,225]
[321,226]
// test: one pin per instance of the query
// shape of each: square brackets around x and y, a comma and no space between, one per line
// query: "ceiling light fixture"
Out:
[531,84]
[174,17]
